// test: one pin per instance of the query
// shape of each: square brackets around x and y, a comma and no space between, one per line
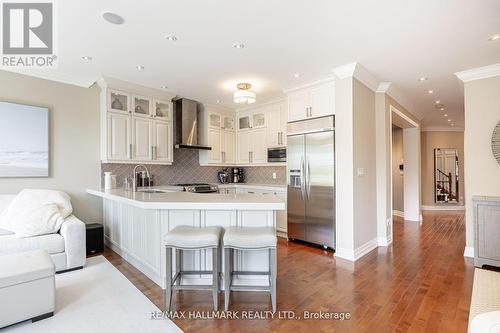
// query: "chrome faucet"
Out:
[134,176]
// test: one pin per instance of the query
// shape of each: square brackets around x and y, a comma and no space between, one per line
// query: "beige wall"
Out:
[482,172]
[364,156]
[430,141]
[397,176]
[74,139]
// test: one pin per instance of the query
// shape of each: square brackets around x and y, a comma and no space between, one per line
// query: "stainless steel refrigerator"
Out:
[311,181]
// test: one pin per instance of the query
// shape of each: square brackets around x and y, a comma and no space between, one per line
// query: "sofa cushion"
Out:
[52,243]
[25,266]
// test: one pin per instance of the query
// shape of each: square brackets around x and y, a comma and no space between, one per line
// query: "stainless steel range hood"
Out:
[186,124]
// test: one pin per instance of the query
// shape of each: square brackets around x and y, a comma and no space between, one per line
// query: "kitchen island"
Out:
[135,224]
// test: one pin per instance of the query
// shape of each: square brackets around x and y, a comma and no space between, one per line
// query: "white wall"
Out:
[397,176]
[74,139]
[482,172]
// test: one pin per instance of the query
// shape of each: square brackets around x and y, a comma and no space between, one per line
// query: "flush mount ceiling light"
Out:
[244,95]
[112,18]
[86,58]
[139,67]
[494,37]
[238,45]
[171,38]
[430,92]
[423,78]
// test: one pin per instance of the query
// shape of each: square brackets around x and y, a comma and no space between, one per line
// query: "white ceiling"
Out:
[397,41]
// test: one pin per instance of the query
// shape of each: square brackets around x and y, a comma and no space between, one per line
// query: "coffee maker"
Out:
[238,175]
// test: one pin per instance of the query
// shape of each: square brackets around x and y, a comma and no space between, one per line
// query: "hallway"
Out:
[421,283]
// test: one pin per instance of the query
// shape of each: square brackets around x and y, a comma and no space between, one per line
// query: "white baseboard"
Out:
[398,213]
[469,252]
[443,207]
[353,255]
[384,241]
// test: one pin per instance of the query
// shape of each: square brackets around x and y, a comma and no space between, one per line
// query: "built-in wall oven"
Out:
[276,154]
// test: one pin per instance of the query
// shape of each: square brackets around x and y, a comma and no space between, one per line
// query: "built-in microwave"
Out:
[276,154]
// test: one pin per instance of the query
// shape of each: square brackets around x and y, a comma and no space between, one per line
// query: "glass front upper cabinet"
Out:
[214,120]
[162,110]
[140,106]
[118,101]
[258,120]
[244,122]
[228,123]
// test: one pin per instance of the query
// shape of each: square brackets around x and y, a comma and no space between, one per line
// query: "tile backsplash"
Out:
[186,169]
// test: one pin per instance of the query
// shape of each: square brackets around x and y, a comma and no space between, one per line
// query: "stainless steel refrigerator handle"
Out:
[302,178]
[308,188]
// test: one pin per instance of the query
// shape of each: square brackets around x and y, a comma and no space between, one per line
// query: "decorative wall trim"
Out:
[398,213]
[384,241]
[440,207]
[353,255]
[479,73]
[442,129]
[469,252]
[404,116]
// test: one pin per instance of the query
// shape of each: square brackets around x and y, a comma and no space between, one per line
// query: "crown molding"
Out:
[265,103]
[383,87]
[113,83]
[390,89]
[442,129]
[310,84]
[479,73]
[47,74]
[345,71]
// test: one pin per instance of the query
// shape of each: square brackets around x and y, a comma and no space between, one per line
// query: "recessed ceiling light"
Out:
[441,109]
[423,78]
[163,87]
[437,102]
[238,45]
[219,101]
[446,115]
[139,67]
[171,38]
[112,18]
[494,37]
[86,58]
[431,92]
[296,75]
[452,124]
[449,119]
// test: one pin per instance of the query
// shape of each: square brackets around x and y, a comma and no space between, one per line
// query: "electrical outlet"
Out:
[274,175]
[361,172]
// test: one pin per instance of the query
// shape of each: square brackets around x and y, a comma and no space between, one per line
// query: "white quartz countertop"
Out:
[265,187]
[176,199]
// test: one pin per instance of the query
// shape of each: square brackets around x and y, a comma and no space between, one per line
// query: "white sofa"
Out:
[66,248]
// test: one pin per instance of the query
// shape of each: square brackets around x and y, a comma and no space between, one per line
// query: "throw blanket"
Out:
[36,212]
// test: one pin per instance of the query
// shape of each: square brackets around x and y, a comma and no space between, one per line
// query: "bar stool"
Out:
[245,239]
[183,238]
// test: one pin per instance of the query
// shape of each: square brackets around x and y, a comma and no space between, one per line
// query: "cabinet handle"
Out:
[249,157]
[279,138]
[310,111]
[152,153]
[130,150]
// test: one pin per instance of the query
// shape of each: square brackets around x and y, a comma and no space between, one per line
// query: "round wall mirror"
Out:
[495,142]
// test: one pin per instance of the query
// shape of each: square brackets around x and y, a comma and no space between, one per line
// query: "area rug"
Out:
[97,298]
[485,293]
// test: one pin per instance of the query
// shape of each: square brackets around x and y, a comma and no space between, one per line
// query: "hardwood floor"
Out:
[421,283]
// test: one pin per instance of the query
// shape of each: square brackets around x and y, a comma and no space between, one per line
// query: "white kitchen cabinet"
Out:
[252,119]
[118,136]
[214,120]
[142,131]
[136,123]
[228,147]
[162,150]
[214,141]
[252,147]
[312,102]
[228,123]
[276,125]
